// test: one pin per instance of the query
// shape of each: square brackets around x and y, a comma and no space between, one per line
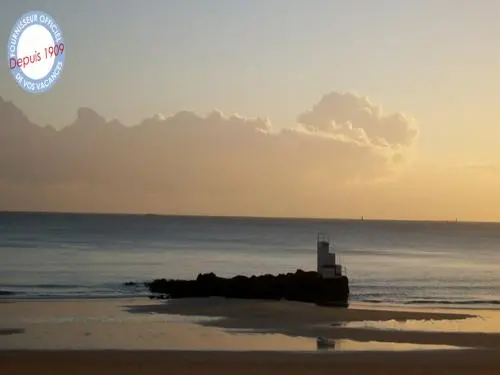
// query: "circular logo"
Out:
[36,52]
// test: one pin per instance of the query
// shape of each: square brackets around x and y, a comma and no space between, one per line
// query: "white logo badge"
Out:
[36,52]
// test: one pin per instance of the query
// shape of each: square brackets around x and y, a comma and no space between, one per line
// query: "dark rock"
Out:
[299,286]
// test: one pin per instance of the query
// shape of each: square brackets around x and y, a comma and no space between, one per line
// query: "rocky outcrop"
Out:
[299,286]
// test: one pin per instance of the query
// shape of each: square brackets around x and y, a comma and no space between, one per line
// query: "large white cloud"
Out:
[353,119]
[359,119]
[200,163]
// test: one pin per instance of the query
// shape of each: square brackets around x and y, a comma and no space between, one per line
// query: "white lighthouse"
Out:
[327,267]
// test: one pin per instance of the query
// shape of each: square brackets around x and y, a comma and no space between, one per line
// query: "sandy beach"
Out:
[218,336]
[220,363]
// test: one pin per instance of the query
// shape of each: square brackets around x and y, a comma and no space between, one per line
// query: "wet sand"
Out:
[308,320]
[270,312]
[155,337]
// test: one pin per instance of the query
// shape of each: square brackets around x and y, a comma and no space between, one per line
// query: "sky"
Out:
[437,62]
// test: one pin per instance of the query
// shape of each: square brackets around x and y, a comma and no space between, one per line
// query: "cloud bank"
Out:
[185,163]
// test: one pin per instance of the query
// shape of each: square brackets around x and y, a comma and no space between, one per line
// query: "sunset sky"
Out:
[435,61]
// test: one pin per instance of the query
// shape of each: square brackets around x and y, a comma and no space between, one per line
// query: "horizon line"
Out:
[360,218]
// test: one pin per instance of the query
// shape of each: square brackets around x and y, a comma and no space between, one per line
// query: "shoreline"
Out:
[423,307]
[186,306]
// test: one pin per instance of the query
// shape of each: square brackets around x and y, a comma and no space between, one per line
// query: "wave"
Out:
[70,291]
[45,286]
[70,286]
[450,302]
[431,301]
[7,293]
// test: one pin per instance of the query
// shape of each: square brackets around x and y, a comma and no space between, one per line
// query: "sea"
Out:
[73,256]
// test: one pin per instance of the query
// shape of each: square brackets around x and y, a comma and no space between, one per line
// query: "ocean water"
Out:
[87,256]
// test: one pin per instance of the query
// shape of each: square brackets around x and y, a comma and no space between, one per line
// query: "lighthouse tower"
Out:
[327,267]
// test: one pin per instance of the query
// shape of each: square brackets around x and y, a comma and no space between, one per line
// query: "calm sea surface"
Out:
[81,256]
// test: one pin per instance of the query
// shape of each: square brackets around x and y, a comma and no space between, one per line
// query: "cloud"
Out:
[186,163]
[160,116]
[356,120]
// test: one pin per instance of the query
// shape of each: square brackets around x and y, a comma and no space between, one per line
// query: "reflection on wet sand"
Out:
[217,325]
[485,321]
[324,344]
